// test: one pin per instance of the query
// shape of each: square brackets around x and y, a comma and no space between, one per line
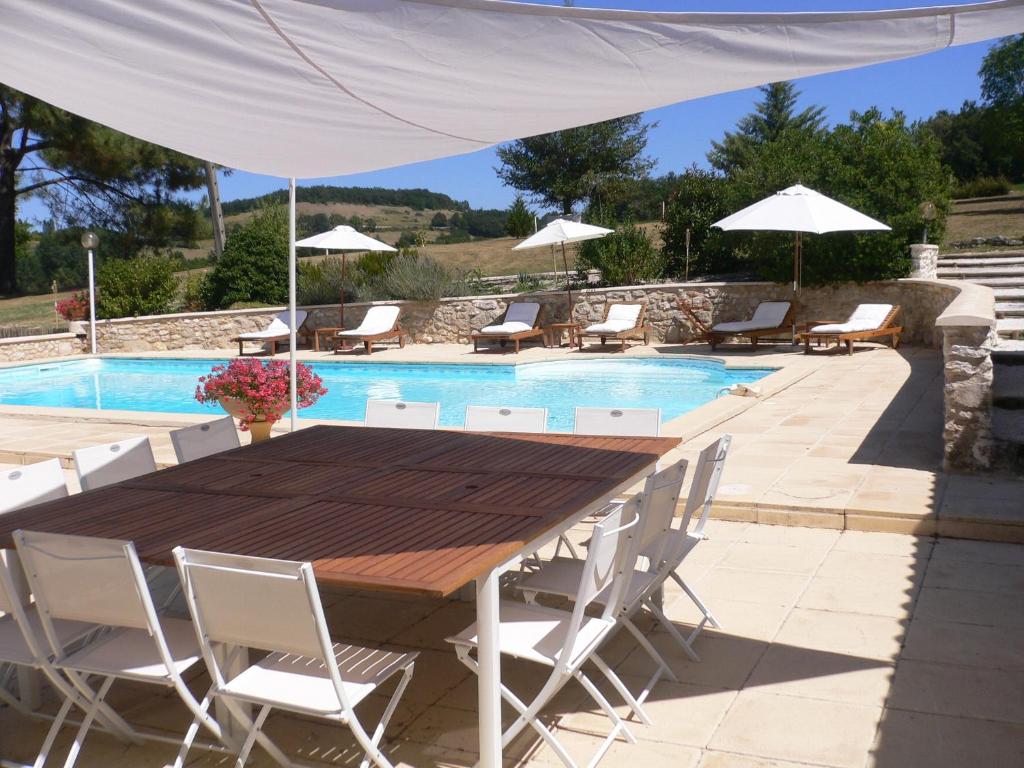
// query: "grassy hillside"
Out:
[986,217]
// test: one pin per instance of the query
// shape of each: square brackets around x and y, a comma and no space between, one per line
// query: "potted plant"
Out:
[256,393]
[76,307]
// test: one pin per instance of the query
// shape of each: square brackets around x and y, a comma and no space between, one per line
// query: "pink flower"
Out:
[261,388]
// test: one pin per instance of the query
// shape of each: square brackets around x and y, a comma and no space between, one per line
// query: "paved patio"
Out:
[844,649]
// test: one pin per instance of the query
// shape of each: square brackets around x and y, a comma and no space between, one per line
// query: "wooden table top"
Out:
[409,510]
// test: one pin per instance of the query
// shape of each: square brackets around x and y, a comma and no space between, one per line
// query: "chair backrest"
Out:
[706,476]
[379,319]
[402,415]
[621,422]
[103,465]
[280,323]
[32,484]
[255,602]
[624,313]
[659,501]
[771,313]
[206,439]
[485,418]
[522,312]
[867,317]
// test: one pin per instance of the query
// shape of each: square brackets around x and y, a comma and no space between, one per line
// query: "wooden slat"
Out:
[416,511]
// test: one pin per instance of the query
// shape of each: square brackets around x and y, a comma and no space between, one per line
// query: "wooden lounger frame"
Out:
[639,331]
[715,338]
[273,340]
[395,334]
[515,338]
[887,328]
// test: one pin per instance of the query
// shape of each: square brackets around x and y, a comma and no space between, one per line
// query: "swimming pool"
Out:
[168,385]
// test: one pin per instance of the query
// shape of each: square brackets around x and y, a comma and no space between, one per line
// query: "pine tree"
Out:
[774,116]
[520,219]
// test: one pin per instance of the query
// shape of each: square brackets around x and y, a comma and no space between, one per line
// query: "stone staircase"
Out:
[1003,271]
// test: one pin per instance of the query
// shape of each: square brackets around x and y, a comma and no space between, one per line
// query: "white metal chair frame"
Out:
[310,643]
[656,507]
[32,484]
[401,414]
[602,569]
[142,615]
[200,440]
[485,418]
[128,458]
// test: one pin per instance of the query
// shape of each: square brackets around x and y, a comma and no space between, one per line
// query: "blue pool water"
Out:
[675,386]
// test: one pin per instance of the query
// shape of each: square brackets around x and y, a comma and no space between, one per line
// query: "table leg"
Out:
[489,677]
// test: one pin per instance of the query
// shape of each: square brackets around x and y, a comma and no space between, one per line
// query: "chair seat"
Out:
[561,576]
[302,683]
[536,633]
[14,649]
[611,326]
[507,328]
[132,653]
[743,325]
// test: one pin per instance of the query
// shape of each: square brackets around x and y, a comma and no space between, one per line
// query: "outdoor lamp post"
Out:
[89,241]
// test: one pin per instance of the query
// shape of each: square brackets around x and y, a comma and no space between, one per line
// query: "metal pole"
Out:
[489,673]
[292,331]
[568,284]
[92,305]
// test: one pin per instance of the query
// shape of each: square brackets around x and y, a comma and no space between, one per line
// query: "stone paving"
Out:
[844,649]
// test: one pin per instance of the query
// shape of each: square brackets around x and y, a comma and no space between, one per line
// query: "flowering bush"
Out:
[260,390]
[74,308]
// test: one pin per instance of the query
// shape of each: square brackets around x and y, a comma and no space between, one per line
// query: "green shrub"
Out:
[194,293]
[134,287]
[254,265]
[625,257]
[984,186]
[321,283]
[416,279]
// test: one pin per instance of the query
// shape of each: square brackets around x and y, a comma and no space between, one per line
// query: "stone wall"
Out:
[453,320]
[24,348]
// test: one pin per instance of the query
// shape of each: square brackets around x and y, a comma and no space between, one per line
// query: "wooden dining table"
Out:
[414,511]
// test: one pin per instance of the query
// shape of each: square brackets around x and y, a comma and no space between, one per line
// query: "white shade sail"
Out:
[313,88]
[800,209]
[562,231]
[343,238]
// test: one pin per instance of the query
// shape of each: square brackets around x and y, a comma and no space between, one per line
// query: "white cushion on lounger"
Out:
[866,317]
[506,328]
[621,317]
[377,320]
[277,327]
[768,315]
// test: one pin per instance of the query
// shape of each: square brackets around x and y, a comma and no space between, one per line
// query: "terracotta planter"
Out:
[259,429]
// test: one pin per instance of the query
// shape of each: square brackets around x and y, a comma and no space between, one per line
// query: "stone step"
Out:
[1009,252]
[1010,347]
[1010,327]
[974,272]
[1001,261]
[1009,294]
[998,282]
[1009,309]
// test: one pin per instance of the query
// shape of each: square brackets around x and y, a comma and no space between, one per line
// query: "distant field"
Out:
[986,217]
[32,310]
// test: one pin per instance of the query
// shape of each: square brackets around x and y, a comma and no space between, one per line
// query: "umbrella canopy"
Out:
[560,232]
[344,238]
[800,209]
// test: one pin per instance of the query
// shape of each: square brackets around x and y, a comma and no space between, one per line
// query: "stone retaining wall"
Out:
[23,348]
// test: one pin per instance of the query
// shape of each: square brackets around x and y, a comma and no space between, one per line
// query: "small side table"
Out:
[330,332]
[555,331]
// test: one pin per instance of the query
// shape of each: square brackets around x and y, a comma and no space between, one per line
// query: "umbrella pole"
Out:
[292,372]
[797,270]
[341,301]
[568,284]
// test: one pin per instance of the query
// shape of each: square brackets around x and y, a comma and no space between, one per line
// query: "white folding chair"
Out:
[274,605]
[102,465]
[32,484]
[206,439]
[618,422]
[101,582]
[656,508]
[485,418]
[564,641]
[401,415]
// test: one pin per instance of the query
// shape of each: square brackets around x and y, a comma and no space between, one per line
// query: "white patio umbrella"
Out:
[343,238]
[560,232]
[799,209]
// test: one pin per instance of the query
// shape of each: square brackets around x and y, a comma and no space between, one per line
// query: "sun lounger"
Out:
[379,324]
[770,318]
[622,321]
[521,321]
[868,321]
[274,334]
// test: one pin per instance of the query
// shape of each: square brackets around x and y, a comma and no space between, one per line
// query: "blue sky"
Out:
[919,87]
